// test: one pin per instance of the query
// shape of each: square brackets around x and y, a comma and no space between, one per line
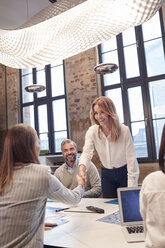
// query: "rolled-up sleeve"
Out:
[88,148]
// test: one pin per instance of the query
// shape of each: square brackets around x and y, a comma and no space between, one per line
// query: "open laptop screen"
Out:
[130,205]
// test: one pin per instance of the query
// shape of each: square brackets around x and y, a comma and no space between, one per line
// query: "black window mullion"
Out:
[48,80]
[148,121]
[162,28]
[126,107]
[49,109]
[36,117]
[67,123]
[141,53]
[21,96]
[50,126]
[121,58]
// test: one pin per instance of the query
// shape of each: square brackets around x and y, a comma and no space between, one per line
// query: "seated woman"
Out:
[25,186]
[152,202]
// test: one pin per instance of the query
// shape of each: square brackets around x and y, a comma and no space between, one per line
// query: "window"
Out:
[138,86]
[46,111]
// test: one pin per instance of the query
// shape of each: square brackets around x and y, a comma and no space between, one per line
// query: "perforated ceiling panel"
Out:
[67,28]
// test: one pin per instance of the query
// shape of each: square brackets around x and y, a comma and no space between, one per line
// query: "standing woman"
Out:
[152,202]
[113,143]
[25,186]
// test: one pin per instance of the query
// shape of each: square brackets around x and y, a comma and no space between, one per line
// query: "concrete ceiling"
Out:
[14,13]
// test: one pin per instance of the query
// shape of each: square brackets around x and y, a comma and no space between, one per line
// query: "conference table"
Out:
[86,229]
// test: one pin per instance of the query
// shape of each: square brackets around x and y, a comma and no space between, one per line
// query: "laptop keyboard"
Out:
[135,229]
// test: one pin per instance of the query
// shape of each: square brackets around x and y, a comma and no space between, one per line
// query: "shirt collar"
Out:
[74,166]
[103,135]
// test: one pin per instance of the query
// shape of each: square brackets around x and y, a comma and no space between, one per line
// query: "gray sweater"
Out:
[68,179]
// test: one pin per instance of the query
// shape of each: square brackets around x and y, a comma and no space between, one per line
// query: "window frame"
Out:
[48,100]
[143,81]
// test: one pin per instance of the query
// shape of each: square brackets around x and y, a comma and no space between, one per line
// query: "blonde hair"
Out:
[108,107]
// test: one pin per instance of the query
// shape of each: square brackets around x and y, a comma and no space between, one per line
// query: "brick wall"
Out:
[146,169]
[9,101]
[9,97]
[82,87]
[81,91]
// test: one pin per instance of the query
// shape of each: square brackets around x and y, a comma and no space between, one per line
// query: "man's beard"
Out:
[71,160]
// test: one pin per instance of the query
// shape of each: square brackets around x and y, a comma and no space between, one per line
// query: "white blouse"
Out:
[112,154]
[152,206]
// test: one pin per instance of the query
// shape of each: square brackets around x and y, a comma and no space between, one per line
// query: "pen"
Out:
[74,211]
[61,209]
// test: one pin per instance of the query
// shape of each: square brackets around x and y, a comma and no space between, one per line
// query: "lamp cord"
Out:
[27,10]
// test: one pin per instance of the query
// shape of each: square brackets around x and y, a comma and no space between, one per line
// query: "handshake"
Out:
[81,177]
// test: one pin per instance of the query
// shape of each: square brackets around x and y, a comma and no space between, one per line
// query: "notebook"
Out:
[130,217]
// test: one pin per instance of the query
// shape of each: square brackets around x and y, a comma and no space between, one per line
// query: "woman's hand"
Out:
[82,171]
[81,181]
[47,228]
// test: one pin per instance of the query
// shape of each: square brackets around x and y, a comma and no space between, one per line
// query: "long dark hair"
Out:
[19,148]
[162,151]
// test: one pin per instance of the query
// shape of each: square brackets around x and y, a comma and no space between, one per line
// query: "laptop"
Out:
[130,217]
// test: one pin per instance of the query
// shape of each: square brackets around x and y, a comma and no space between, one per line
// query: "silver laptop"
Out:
[130,217]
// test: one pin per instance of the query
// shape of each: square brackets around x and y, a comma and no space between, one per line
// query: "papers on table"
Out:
[55,221]
[111,218]
[54,218]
